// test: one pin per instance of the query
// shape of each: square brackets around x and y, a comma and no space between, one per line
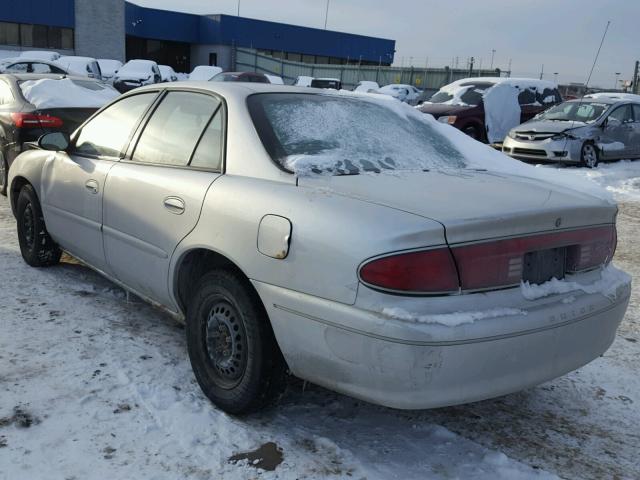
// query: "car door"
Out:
[154,196]
[72,183]
[635,134]
[617,135]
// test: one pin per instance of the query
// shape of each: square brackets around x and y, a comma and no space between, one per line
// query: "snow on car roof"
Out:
[619,96]
[64,92]
[515,81]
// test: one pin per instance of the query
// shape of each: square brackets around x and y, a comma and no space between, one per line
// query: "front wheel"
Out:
[590,155]
[473,132]
[231,346]
[37,247]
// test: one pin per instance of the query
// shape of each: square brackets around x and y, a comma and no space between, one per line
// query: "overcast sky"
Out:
[561,34]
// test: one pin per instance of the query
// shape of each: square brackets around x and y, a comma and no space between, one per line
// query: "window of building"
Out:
[322,60]
[66,38]
[9,33]
[308,58]
[294,57]
[54,37]
[40,36]
[26,35]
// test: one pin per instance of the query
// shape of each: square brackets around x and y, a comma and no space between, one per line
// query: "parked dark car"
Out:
[332,83]
[22,121]
[461,103]
[136,73]
[25,65]
[240,77]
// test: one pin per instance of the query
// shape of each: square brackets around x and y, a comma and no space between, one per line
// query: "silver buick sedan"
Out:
[342,238]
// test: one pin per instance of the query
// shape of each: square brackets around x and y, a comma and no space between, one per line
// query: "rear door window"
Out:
[108,134]
[209,152]
[172,132]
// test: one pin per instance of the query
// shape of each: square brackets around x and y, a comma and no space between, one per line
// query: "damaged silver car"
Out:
[583,131]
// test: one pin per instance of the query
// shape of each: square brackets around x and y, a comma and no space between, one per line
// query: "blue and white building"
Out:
[122,30]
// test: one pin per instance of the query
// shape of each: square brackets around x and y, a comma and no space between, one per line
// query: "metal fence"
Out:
[249,60]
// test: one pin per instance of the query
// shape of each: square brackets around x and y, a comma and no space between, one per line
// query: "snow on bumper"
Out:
[414,365]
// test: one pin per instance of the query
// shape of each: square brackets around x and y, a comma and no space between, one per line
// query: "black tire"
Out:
[4,174]
[232,349]
[589,155]
[37,247]
[473,132]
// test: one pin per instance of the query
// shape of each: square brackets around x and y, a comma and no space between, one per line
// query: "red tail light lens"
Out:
[500,263]
[487,265]
[36,120]
[430,271]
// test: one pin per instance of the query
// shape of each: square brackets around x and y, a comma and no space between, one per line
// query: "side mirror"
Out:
[54,141]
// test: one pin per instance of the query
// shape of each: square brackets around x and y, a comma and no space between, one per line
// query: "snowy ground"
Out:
[93,386]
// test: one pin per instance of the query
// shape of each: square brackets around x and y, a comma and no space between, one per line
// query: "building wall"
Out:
[58,13]
[200,55]
[100,29]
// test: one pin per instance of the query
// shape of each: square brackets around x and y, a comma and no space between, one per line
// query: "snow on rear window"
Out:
[67,93]
[342,134]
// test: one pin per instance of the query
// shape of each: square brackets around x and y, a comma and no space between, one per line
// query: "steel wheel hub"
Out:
[28,225]
[589,154]
[226,341]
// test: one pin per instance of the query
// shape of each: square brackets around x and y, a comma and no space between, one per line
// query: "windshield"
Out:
[342,135]
[585,112]
[320,83]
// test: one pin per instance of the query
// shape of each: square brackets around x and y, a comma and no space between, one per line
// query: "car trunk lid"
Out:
[475,205]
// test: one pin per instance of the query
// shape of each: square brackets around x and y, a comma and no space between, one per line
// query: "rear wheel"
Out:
[231,346]
[4,173]
[590,155]
[37,247]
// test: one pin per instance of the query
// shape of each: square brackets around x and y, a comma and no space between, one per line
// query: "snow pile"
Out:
[502,111]
[621,179]
[204,73]
[66,93]
[611,279]
[274,79]
[450,319]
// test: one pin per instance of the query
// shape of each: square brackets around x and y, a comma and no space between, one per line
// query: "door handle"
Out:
[92,186]
[174,205]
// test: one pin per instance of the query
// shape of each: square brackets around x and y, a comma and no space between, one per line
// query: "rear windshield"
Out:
[342,135]
[585,112]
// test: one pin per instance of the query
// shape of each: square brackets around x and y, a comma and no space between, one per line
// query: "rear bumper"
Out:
[415,366]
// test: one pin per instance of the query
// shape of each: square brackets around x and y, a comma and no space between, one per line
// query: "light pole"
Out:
[493,54]
[615,85]
[555,77]
[326,16]
[238,7]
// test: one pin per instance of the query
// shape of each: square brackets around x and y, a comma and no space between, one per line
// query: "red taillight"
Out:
[487,265]
[500,263]
[36,120]
[429,271]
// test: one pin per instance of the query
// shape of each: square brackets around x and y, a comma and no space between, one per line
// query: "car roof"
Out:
[23,77]
[232,89]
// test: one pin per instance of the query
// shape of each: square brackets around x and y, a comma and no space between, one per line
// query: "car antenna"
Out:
[586,86]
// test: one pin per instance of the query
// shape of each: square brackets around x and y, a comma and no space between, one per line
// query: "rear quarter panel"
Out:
[331,234]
